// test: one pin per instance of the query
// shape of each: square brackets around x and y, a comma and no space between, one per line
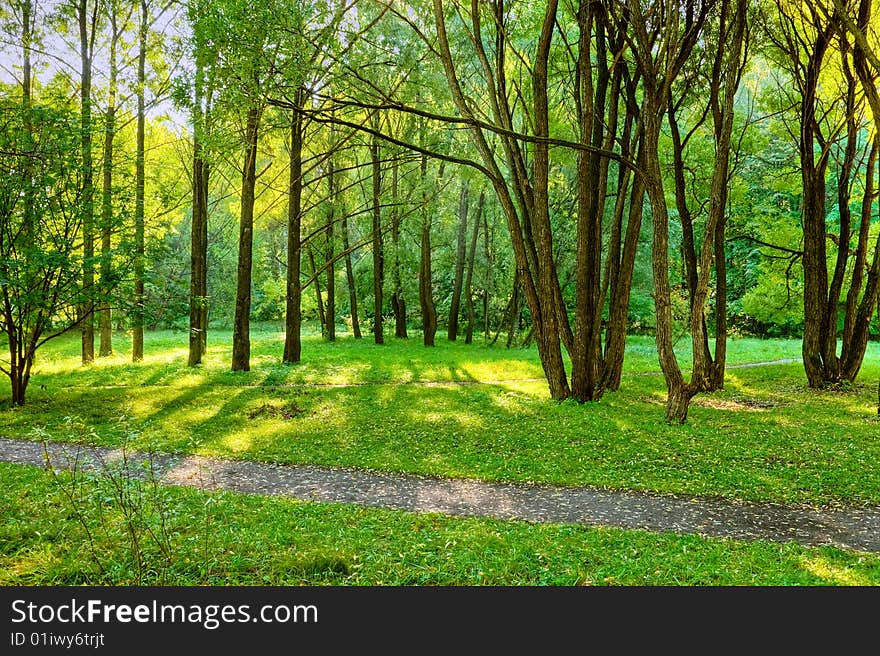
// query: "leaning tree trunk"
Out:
[679,394]
[813,175]
[857,330]
[241,339]
[522,189]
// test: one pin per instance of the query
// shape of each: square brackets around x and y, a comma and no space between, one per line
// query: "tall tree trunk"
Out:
[349,277]
[545,301]
[398,303]
[522,190]
[858,312]
[198,301]
[621,265]
[678,393]
[378,255]
[660,57]
[330,257]
[87,24]
[293,310]
[426,292]
[857,329]
[460,257]
[487,253]
[468,283]
[105,320]
[813,174]
[586,381]
[241,340]
[137,328]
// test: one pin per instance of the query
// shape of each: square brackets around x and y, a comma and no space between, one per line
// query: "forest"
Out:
[223,221]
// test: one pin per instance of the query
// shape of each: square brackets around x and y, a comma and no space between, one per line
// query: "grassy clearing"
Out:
[227,539]
[397,408]
[401,407]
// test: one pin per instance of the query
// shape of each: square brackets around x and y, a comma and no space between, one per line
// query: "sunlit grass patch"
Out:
[224,538]
[474,411]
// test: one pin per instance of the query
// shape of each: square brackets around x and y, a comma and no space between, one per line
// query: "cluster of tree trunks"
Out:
[809,35]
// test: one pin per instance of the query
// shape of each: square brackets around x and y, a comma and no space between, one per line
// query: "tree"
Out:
[200,176]
[460,255]
[663,37]
[378,253]
[40,238]
[721,71]
[426,293]
[293,314]
[812,39]
[87,16]
[118,20]
[471,258]
[398,301]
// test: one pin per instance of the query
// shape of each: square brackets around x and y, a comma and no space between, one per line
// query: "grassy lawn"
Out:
[400,407]
[231,539]
[355,404]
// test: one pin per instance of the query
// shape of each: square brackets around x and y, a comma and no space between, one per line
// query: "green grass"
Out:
[228,539]
[354,404]
[401,407]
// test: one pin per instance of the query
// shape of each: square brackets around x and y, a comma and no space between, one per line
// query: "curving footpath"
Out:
[849,528]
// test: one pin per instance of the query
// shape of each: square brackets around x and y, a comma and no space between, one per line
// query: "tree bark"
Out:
[514,310]
[398,302]
[198,308]
[293,310]
[586,379]
[137,328]
[330,332]
[524,198]
[378,255]
[105,322]
[241,341]
[87,24]
[487,252]
[460,256]
[859,328]
[660,56]
[349,277]
[319,301]
[471,257]
[426,294]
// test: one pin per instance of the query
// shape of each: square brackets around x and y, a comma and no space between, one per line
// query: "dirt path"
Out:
[850,528]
